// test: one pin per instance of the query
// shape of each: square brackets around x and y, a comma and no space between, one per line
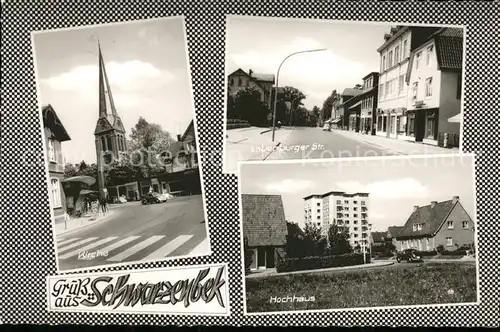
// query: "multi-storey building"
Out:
[349,211]
[261,82]
[368,105]
[434,77]
[392,95]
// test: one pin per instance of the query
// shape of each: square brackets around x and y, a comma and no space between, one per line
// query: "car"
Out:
[408,255]
[326,127]
[150,198]
[163,197]
[122,199]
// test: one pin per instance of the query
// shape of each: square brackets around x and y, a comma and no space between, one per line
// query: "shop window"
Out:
[55,189]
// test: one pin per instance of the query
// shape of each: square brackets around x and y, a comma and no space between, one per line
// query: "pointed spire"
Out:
[106,103]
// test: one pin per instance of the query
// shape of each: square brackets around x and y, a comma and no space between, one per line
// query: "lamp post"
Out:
[277,82]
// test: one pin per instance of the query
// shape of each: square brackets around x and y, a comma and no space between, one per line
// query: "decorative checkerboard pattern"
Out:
[27,249]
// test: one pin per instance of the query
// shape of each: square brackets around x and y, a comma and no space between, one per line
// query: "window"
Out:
[363,203]
[389,60]
[318,217]
[428,87]
[387,88]
[346,215]
[401,83]
[430,125]
[429,56]
[52,150]
[428,244]
[383,63]
[55,190]
[414,227]
[396,55]
[414,91]
[318,210]
[355,235]
[232,81]
[450,225]
[239,82]
[355,209]
[355,228]
[417,60]
[465,224]
[339,202]
[449,241]
[355,215]
[355,202]
[318,204]
[346,202]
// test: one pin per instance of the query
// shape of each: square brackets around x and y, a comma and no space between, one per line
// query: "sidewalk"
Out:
[394,145]
[250,144]
[273,273]
[63,227]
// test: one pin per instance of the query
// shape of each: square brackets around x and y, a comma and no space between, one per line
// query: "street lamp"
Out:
[277,82]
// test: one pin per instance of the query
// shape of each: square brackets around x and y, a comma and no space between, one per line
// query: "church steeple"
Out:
[106,102]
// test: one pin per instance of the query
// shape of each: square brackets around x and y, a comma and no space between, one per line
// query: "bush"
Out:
[458,252]
[237,125]
[426,253]
[319,262]
[236,121]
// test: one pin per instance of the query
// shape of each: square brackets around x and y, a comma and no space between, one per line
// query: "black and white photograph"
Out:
[121,147]
[303,89]
[351,233]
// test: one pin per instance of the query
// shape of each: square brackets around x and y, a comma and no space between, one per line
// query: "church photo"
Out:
[124,181]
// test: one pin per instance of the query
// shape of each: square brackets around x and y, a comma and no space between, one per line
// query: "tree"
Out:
[248,255]
[314,243]
[338,240]
[326,110]
[295,241]
[70,170]
[292,97]
[248,106]
[147,142]
[121,172]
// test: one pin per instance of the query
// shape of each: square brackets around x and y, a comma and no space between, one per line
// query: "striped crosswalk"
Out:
[116,249]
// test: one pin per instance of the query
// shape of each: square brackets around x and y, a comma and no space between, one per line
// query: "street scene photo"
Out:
[302,89]
[358,233]
[120,143]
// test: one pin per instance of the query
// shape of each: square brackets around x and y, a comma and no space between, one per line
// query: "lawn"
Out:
[401,284]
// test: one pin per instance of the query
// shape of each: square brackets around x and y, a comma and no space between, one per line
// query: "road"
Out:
[137,232]
[309,143]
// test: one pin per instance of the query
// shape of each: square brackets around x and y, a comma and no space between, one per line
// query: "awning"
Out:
[82,179]
[355,105]
[456,119]
[337,120]
[87,192]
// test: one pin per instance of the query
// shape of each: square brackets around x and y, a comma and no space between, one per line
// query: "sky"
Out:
[395,185]
[261,44]
[147,67]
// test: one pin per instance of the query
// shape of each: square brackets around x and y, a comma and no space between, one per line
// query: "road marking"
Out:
[134,249]
[87,247]
[119,243]
[76,244]
[201,249]
[63,242]
[169,247]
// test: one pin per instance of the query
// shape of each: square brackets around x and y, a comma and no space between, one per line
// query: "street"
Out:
[137,232]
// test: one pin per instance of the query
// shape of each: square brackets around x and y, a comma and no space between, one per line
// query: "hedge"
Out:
[237,125]
[319,262]
[458,252]
[426,253]
[236,121]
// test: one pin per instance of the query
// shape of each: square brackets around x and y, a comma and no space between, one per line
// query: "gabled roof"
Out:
[431,218]
[264,222]
[351,92]
[263,77]
[189,129]
[52,121]
[393,231]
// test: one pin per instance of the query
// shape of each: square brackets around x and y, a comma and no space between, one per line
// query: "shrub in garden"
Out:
[320,262]
[426,253]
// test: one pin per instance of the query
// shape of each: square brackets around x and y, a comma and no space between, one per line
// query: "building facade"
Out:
[392,94]
[368,104]
[55,134]
[261,82]
[434,78]
[348,108]
[349,211]
[265,229]
[445,224]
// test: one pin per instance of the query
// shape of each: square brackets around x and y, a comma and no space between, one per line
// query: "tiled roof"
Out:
[430,217]
[52,121]
[392,231]
[449,48]
[264,222]
[379,236]
[263,77]
[351,92]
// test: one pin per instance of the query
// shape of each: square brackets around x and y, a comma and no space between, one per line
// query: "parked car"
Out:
[408,255]
[122,199]
[327,127]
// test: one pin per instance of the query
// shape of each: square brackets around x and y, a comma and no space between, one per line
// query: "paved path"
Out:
[136,233]
[273,273]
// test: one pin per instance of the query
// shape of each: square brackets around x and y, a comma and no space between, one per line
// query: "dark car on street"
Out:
[150,198]
[408,255]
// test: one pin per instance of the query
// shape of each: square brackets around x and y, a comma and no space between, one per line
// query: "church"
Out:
[181,179]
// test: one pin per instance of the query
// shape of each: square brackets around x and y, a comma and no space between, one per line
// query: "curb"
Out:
[342,268]
[84,226]
[265,131]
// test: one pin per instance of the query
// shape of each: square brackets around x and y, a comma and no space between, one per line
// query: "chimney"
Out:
[433,204]
[415,208]
[455,199]
[179,138]
[394,30]
[387,36]
[250,72]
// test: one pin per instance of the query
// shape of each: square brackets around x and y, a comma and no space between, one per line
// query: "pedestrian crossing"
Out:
[114,249]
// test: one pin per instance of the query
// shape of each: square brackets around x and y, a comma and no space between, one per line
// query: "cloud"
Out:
[127,76]
[288,186]
[402,188]
[316,74]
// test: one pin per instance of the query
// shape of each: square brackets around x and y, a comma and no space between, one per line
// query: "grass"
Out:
[398,285]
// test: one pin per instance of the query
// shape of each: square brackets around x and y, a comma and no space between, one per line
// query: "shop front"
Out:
[381,122]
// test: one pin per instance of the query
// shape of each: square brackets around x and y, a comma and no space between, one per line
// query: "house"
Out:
[55,134]
[348,107]
[264,229]
[444,224]
[261,82]
[392,95]
[434,77]
[369,98]
[392,232]
[336,115]
[379,239]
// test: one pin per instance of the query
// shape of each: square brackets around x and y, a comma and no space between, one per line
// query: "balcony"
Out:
[364,222]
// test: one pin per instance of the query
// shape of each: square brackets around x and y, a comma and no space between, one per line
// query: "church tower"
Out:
[110,139]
